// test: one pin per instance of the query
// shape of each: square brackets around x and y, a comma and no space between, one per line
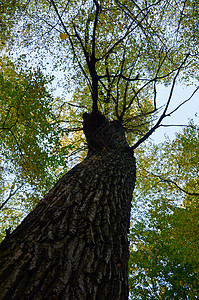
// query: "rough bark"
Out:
[74,244]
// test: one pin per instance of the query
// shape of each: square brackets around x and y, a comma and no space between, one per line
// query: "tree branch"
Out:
[95,27]
[185,101]
[146,136]
[10,195]
[174,183]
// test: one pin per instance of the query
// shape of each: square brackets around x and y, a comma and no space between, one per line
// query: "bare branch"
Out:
[10,195]
[185,101]
[59,16]
[18,145]
[73,129]
[174,183]
[146,136]
[171,182]
[95,27]
[174,125]
[76,105]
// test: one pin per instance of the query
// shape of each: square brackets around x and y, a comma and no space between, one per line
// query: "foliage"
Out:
[121,47]
[164,234]
[31,152]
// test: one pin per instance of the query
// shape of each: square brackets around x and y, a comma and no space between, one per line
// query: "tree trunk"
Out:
[74,244]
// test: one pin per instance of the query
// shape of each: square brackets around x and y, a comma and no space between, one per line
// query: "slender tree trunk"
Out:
[74,244]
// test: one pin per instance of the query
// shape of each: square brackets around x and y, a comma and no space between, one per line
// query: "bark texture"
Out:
[74,244]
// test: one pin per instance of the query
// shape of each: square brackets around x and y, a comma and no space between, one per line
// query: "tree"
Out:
[29,135]
[164,251]
[74,243]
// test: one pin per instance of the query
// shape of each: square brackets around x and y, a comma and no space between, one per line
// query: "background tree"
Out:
[118,51]
[164,235]
[32,152]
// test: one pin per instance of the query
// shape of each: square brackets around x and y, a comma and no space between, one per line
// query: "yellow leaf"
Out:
[64,36]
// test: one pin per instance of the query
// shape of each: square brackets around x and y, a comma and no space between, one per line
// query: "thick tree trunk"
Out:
[74,244]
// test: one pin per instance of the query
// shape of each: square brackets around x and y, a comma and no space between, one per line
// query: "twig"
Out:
[172,182]
[10,195]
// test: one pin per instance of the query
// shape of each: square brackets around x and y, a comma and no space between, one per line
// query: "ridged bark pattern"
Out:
[74,244]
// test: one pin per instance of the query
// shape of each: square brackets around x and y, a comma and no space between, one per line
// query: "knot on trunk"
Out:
[102,134]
